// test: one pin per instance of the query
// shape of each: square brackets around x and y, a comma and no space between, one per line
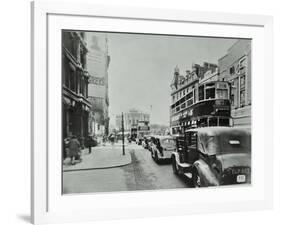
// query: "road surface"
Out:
[142,174]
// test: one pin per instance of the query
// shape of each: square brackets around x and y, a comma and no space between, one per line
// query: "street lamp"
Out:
[123,137]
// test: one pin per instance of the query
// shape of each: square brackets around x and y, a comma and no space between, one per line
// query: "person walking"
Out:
[74,149]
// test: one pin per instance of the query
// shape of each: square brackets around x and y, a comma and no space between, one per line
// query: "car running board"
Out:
[185,165]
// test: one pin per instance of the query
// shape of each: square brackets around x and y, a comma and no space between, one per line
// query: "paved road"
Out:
[142,174]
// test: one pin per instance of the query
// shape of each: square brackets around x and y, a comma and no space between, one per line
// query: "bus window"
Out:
[201,93]
[224,122]
[222,94]
[213,122]
[210,93]
[202,122]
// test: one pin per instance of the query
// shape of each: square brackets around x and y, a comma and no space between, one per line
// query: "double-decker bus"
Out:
[143,129]
[133,132]
[206,104]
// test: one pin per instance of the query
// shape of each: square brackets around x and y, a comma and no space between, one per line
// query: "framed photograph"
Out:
[142,112]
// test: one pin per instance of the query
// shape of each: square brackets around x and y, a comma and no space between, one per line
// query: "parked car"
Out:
[162,148]
[213,156]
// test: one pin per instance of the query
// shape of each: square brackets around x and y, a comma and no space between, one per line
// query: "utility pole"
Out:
[123,137]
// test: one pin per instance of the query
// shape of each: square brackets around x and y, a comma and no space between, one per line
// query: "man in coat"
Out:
[74,149]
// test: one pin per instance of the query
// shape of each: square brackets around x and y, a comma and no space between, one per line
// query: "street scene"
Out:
[151,112]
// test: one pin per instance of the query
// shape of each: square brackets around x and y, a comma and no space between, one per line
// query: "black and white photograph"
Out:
[154,111]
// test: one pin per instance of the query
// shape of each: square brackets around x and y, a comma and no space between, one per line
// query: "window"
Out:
[189,102]
[222,94]
[232,70]
[242,98]
[224,122]
[72,80]
[192,139]
[189,96]
[242,82]
[201,93]
[213,121]
[232,99]
[210,93]
[194,95]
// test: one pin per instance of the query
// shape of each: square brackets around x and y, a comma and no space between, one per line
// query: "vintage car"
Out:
[162,148]
[213,156]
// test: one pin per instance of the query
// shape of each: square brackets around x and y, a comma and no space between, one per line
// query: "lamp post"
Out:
[123,137]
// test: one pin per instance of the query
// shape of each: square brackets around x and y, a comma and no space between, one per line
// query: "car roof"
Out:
[215,131]
[162,136]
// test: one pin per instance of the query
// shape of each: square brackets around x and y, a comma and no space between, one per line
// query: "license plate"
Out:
[241,178]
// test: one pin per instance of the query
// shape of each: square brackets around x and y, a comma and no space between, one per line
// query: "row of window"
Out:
[181,93]
[207,91]
[74,46]
[74,80]
[238,93]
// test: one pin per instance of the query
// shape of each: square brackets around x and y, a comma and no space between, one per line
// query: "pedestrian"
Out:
[89,143]
[74,149]
[111,138]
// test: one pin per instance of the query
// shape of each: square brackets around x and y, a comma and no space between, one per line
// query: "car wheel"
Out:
[196,180]
[174,165]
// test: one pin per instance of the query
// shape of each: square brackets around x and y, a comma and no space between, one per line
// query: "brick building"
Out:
[75,106]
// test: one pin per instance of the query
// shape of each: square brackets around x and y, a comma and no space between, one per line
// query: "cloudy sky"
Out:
[141,69]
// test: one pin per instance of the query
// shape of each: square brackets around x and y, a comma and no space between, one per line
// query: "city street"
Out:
[141,174]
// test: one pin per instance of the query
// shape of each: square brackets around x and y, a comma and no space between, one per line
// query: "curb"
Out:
[98,168]
[108,166]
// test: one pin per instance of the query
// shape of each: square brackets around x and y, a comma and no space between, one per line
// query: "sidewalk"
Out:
[107,156]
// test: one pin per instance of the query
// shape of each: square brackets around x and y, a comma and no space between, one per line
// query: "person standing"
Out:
[74,149]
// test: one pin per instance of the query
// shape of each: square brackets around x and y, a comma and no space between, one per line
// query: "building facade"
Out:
[131,119]
[235,67]
[75,106]
[97,65]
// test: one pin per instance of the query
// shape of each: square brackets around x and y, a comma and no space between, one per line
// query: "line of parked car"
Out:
[207,156]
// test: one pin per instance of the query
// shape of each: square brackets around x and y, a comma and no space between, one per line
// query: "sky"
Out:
[141,69]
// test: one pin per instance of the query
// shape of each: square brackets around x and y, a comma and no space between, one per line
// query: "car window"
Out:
[225,143]
[235,143]
[192,139]
[168,142]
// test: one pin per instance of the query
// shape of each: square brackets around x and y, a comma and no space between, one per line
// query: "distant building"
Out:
[75,107]
[98,62]
[131,119]
[235,67]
